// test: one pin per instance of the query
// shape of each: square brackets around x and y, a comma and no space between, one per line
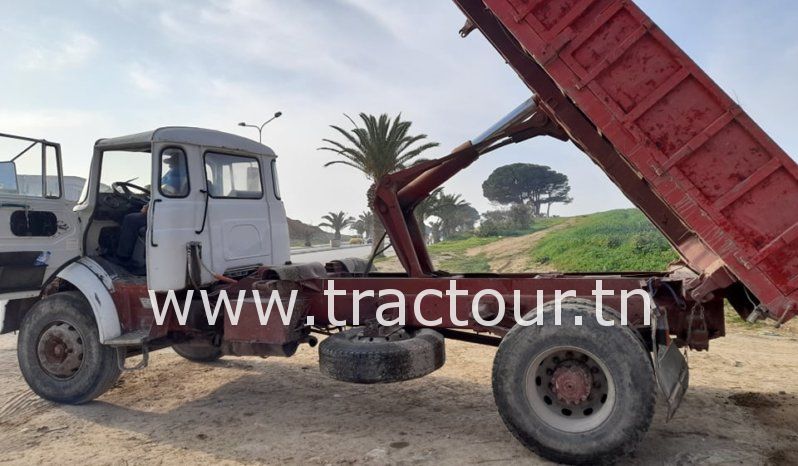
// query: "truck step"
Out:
[135,339]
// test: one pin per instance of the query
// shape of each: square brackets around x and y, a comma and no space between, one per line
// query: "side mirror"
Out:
[8,178]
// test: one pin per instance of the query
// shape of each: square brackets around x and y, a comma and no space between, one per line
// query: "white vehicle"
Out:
[163,210]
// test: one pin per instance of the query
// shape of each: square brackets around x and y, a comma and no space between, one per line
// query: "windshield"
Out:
[131,167]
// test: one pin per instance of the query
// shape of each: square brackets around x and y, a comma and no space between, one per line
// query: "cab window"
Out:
[174,173]
[275,180]
[233,176]
[29,168]
[52,184]
[125,167]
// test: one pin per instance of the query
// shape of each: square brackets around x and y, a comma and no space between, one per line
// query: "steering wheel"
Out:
[126,189]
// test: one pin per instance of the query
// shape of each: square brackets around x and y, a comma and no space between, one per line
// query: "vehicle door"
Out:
[238,211]
[175,214]
[39,231]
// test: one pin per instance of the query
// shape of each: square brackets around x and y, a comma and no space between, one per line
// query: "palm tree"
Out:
[446,210]
[378,148]
[436,231]
[362,224]
[427,208]
[453,213]
[336,221]
[359,227]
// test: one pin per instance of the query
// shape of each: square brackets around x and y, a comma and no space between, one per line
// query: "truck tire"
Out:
[575,394]
[59,351]
[198,353]
[408,354]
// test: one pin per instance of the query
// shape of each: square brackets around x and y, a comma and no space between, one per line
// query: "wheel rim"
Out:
[398,335]
[60,350]
[570,389]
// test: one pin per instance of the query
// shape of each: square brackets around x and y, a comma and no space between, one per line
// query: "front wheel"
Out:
[59,351]
[575,394]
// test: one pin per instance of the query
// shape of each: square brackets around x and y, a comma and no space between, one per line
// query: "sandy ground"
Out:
[742,408]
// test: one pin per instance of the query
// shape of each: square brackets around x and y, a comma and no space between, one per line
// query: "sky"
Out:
[77,71]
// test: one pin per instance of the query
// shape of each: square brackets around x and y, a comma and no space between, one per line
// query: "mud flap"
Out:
[670,366]
[673,375]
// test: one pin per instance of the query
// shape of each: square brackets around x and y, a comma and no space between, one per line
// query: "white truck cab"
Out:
[225,197]
[224,194]
[153,203]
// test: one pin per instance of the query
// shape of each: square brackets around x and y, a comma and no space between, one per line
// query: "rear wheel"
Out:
[575,394]
[204,352]
[59,351]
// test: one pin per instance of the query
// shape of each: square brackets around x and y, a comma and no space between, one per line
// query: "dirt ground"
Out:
[742,408]
[504,254]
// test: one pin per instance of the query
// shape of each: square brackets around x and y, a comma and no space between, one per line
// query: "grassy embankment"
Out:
[618,240]
[452,255]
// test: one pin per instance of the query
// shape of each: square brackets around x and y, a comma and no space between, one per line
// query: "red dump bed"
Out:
[731,186]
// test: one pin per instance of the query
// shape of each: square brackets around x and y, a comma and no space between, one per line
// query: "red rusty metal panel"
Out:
[250,328]
[699,152]
[526,285]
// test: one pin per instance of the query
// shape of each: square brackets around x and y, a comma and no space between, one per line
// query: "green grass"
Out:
[466,264]
[538,225]
[543,223]
[452,254]
[460,245]
[618,240]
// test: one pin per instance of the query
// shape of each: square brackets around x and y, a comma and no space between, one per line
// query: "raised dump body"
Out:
[683,151]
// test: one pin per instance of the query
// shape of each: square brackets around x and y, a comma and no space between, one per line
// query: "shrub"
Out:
[517,220]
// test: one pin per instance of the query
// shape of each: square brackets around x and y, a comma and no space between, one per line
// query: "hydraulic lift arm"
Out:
[398,194]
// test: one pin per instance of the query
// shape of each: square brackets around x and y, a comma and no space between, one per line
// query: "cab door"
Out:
[175,215]
[39,231]
[238,212]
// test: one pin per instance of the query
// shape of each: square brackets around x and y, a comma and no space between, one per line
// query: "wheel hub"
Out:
[60,350]
[571,382]
[570,389]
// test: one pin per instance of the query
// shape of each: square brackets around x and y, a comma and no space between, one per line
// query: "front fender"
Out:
[95,284]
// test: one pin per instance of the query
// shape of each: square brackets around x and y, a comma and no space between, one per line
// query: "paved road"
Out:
[332,254]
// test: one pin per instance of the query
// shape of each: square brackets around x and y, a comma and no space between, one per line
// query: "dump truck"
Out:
[580,362]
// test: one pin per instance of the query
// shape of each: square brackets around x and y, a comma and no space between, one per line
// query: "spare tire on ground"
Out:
[352,356]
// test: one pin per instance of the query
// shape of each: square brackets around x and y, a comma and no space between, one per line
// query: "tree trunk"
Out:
[436,235]
[535,208]
[377,228]
[548,209]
